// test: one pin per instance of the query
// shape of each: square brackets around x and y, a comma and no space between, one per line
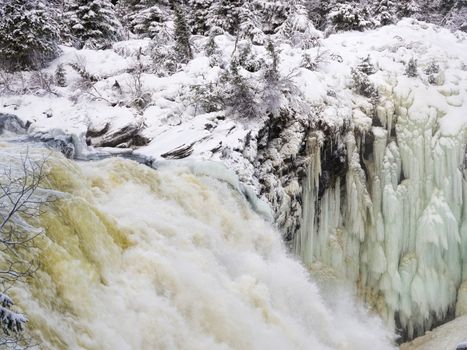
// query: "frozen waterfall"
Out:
[137,258]
[395,225]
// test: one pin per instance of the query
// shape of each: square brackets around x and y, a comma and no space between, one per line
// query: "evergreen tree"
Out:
[272,96]
[227,15]
[147,18]
[385,11]
[299,30]
[240,95]
[60,76]
[350,16]
[11,322]
[273,13]
[366,66]
[199,15]
[28,34]
[411,69]
[408,8]
[182,34]
[94,23]
[318,11]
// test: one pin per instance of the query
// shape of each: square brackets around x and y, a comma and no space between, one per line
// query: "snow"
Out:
[169,113]
[446,337]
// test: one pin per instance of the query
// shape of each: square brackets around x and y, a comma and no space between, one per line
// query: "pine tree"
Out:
[28,35]
[272,96]
[227,15]
[60,76]
[240,96]
[366,66]
[411,69]
[182,34]
[299,30]
[147,18]
[94,23]
[273,13]
[350,16]
[199,15]
[408,8]
[385,11]
[318,11]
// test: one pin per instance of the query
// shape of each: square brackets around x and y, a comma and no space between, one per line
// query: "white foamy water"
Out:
[136,258]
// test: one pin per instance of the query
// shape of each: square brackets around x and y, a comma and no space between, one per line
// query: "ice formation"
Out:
[395,224]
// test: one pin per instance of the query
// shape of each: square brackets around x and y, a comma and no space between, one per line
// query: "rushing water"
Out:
[137,258]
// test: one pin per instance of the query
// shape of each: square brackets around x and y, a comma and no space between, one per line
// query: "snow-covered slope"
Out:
[448,336]
[384,196]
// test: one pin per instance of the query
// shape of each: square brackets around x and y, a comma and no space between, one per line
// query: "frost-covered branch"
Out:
[21,201]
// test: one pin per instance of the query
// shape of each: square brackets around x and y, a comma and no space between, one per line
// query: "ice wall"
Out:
[395,224]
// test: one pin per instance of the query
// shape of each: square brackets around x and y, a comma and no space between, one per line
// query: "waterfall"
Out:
[137,258]
[395,224]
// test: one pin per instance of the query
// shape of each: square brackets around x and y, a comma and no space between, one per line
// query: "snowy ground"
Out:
[446,337]
[173,119]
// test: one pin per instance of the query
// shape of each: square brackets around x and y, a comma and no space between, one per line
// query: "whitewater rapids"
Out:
[136,258]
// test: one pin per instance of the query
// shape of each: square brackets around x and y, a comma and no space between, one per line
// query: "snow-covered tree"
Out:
[227,14]
[28,34]
[411,69]
[199,14]
[246,58]
[318,11]
[250,26]
[384,11]
[240,94]
[455,14]
[273,13]
[60,76]
[366,66]
[299,29]
[361,83]
[350,16]
[182,34]
[147,18]
[11,322]
[408,8]
[94,23]
[271,96]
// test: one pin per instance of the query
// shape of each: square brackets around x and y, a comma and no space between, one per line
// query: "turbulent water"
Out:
[137,258]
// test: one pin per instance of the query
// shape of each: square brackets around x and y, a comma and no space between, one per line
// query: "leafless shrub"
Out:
[42,81]
[140,98]
[312,62]
[20,203]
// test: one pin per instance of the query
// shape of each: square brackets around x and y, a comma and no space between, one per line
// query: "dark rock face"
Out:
[333,156]
[11,123]
[280,166]
[125,137]
[63,145]
[179,152]
[95,132]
